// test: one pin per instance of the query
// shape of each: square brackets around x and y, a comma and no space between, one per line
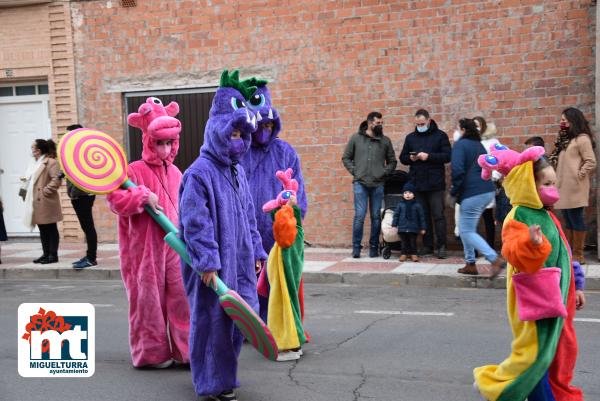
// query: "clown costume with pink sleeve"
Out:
[159,316]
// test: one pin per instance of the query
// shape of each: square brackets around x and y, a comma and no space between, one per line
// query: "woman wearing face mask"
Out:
[574,160]
[158,308]
[473,194]
[544,351]
[42,202]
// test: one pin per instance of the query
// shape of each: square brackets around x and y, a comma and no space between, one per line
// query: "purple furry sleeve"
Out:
[579,276]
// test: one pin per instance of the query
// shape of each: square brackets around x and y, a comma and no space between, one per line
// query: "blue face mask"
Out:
[236,149]
[422,129]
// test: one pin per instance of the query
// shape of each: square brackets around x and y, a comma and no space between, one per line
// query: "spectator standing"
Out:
[474,194]
[3,236]
[369,156]
[42,201]
[83,202]
[574,159]
[409,219]
[426,150]
[488,139]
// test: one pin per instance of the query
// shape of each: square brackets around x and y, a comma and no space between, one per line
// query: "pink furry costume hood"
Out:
[157,123]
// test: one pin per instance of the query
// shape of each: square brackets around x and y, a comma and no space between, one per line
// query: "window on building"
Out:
[6,91]
[194,106]
[25,90]
[42,89]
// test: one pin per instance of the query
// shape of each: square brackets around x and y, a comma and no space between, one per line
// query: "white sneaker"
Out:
[288,356]
[162,365]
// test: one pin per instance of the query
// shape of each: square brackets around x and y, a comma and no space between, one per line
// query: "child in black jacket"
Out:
[409,218]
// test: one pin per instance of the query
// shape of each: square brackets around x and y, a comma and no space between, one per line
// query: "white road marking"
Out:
[582,319]
[398,312]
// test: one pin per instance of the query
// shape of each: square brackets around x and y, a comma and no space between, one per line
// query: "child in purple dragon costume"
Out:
[218,225]
[267,155]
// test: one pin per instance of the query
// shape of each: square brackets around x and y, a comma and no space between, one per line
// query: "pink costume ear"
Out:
[135,120]
[486,168]
[282,177]
[286,180]
[172,109]
[270,206]
[288,173]
[531,154]
[291,183]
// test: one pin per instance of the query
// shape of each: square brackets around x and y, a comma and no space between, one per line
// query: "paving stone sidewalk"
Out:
[322,265]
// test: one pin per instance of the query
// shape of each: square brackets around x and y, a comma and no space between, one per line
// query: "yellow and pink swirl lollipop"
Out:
[93,160]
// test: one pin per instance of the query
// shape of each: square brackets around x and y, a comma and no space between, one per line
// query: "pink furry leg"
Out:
[148,339]
[178,310]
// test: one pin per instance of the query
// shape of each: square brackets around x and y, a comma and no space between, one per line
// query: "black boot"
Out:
[50,259]
[441,253]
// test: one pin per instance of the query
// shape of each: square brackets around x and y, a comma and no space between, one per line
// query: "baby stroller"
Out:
[392,191]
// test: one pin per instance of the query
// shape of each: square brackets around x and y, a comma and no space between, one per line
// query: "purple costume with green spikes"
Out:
[267,155]
[218,225]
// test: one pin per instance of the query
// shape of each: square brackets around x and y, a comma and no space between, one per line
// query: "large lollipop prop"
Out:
[94,162]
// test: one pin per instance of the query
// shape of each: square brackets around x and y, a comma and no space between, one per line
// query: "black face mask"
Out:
[378,130]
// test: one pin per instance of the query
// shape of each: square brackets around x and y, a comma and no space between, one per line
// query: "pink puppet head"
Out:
[158,123]
[503,159]
[290,188]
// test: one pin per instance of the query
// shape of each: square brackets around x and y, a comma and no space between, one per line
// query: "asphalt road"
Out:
[353,356]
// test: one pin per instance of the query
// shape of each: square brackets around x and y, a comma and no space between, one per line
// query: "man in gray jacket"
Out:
[369,157]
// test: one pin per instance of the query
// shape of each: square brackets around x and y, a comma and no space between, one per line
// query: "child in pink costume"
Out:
[150,269]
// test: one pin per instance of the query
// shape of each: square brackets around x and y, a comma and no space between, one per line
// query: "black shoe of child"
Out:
[224,396]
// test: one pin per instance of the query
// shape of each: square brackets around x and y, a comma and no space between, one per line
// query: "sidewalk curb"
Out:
[350,278]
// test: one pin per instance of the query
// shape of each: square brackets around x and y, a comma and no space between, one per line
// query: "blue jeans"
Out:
[362,195]
[574,219]
[471,210]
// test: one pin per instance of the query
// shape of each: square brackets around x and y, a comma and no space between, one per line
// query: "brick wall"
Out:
[25,44]
[37,45]
[517,62]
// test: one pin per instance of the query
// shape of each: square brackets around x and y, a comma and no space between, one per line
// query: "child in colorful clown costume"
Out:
[542,360]
[284,270]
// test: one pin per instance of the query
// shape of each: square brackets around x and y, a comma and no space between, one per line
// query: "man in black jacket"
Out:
[369,157]
[426,150]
